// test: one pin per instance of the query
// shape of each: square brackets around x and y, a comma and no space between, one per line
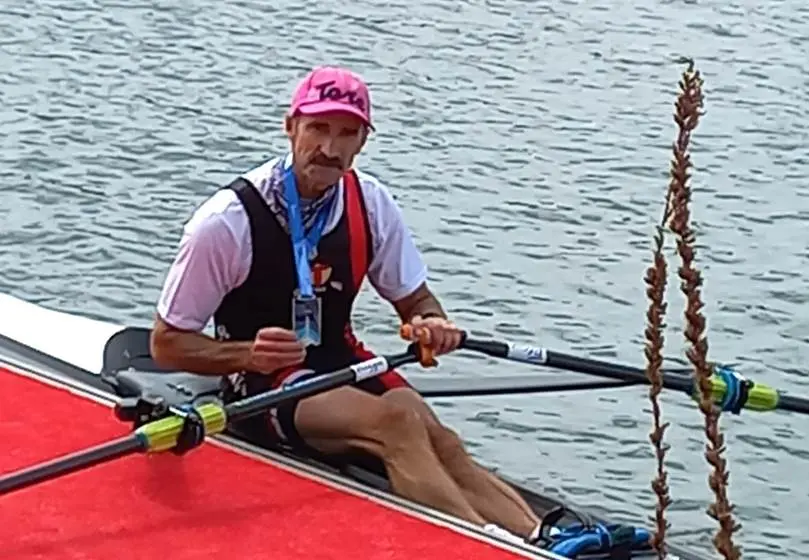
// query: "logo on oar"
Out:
[529,354]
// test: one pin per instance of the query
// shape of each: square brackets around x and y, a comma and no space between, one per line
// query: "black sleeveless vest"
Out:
[265,297]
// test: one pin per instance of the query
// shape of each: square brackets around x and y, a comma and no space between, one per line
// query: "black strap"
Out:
[192,434]
[263,224]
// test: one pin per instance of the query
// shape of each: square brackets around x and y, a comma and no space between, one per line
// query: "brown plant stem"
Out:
[655,280]
[687,114]
[655,290]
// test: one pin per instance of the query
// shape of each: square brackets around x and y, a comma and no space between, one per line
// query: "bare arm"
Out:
[209,263]
[421,303]
[397,266]
[195,352]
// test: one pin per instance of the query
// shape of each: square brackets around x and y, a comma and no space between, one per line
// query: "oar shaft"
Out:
[793,404]
[70,463]
[560,360]
[352,374]
[729,389]
[538,355]
[431,386]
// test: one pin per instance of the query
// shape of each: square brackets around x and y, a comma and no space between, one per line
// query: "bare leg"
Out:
[349,419]
[495,500]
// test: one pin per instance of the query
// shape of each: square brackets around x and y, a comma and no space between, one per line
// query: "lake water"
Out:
[528,145]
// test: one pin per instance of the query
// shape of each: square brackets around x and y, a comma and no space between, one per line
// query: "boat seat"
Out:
[128,366]
[174,389]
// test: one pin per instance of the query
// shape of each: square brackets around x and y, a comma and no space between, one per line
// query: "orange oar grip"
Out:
[425,352]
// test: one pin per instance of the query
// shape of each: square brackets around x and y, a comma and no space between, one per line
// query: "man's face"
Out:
[324,146]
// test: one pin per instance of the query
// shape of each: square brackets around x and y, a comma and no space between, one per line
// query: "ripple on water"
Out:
[527,143]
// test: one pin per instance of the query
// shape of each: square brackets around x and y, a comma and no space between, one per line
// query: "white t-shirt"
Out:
[215,251]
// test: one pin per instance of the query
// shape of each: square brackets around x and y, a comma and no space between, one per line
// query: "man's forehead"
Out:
[336,119]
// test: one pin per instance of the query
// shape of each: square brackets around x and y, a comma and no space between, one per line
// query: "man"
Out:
[277,259]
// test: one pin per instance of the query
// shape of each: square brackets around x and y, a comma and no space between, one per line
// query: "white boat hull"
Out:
[70,338]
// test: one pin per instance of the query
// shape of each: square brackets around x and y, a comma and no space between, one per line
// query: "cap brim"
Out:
[334,107]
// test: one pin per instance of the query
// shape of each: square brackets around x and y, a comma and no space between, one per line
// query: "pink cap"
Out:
[328,89]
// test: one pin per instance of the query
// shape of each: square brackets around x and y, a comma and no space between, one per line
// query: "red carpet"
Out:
[212,503]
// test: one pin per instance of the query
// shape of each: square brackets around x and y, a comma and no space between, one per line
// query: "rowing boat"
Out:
[111,363]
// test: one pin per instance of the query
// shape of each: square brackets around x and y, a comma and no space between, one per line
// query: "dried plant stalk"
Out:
[688,111]
[655,280]
[655,290]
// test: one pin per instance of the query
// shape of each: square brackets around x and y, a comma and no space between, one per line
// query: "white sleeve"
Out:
[397,268]
[210,263]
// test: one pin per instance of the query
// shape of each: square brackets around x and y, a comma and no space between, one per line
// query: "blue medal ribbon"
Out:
[303,245]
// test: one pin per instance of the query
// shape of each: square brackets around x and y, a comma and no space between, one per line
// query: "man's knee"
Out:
[400,428]
[447,444]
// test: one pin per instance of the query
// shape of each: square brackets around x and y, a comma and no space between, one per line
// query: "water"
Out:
[528,145]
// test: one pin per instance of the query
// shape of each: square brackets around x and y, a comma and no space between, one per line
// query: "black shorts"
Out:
[278,424]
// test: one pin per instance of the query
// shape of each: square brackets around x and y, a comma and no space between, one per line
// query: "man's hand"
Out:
[275,348]
[441,335]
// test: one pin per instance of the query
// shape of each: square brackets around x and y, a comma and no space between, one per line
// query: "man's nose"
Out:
[328,148]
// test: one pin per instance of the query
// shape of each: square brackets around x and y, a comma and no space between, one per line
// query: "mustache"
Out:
[325,161]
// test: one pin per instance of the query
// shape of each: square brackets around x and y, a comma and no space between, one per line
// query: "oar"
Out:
[732,391]
[163,434]
[432,386]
